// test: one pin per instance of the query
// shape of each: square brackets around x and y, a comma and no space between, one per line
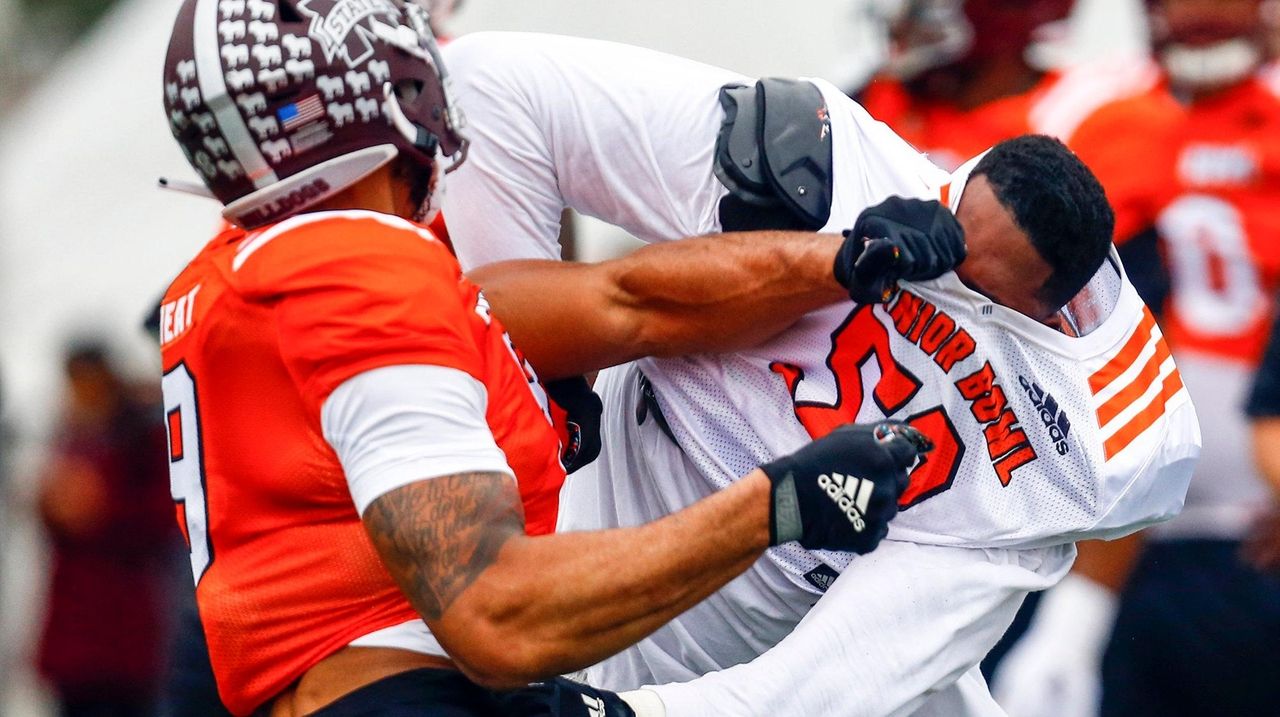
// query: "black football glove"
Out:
[580,423]
[896,239]
[841,491]
[559,697]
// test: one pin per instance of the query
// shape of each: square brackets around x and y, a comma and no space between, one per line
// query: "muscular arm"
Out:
[709,294]
[510,608]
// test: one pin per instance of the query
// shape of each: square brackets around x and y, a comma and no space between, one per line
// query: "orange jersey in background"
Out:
[1111,116]
[1221,233]
[256,332]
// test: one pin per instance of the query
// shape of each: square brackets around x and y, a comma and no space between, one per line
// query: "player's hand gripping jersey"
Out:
[1042,438]
[256,334]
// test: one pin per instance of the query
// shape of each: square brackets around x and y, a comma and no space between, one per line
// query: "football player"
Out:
[362,461]
[1263,546]
[1035,369]
[1194,625]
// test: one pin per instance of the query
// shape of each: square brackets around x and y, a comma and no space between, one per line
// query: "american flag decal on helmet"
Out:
[292,116]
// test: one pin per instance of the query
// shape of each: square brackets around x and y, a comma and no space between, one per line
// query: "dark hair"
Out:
[1058,203]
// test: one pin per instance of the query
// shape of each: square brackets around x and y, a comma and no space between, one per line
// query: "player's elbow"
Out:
[506,646]
[499,658]
[503,665]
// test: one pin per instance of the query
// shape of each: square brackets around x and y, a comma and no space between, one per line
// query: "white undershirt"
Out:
[398,425]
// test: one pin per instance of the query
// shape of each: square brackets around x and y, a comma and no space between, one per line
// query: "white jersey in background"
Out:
[1042,439]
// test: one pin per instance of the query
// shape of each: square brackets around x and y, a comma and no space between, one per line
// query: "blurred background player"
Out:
[104,502]
[963,75]
[1263,546]
[1195,625]
[958,77]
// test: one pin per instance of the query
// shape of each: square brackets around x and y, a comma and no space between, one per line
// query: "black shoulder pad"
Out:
[795,141]
[738,164]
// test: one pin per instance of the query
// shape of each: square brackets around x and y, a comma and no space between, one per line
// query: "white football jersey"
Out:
[1041,438]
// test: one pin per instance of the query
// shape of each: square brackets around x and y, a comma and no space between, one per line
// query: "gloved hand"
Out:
[1054,670]
[840,491]
[560,697]
[575,411]
[897,239]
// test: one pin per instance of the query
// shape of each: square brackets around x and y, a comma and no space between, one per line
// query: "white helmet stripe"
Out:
[213,88]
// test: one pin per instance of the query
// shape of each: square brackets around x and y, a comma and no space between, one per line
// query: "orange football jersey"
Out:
[255,334]
[1221,234]
[1107,114]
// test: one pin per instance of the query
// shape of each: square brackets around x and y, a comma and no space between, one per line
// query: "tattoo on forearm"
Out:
[436,536]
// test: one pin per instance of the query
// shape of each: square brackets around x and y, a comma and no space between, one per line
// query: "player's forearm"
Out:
[510,608]
[1108,562]
[559,603]
[728,292]
[889,632]
[720,293]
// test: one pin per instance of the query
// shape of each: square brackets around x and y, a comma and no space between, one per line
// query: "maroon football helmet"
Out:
[280,104]
[931,34]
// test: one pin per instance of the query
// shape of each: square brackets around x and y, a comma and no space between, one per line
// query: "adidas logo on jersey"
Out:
[1053,417]
[822,577]
[851,493]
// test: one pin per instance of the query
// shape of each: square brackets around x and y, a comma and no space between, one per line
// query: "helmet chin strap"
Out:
[430,207]
[1217,65]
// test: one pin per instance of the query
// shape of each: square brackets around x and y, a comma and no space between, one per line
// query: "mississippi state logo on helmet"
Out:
[279,104]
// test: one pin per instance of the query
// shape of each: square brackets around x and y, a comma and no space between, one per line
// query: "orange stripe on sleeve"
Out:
[1145,419]
[1126,396]
[1127,355]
